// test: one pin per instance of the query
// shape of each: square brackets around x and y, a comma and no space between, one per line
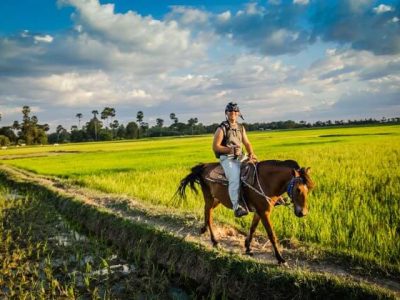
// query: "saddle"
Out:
[247,175]
[217,174]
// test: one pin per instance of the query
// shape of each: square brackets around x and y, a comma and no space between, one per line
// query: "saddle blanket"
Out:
[217,174]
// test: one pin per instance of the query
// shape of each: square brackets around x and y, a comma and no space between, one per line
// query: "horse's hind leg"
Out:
[207,216]
[210,204]
[254,224]
[209,223]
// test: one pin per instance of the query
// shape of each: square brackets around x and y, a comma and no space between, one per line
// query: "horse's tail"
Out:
[191,179]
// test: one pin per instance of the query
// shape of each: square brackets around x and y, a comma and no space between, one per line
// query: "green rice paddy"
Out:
[354,209]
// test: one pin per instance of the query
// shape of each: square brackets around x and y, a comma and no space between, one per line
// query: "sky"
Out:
[278,59]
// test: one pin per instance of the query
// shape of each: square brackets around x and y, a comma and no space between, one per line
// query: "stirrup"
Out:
[240,212]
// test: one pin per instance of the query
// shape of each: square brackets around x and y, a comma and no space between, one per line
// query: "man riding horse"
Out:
[227,146]
[271,179]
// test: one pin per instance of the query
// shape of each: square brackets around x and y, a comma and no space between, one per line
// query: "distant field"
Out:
[354,209]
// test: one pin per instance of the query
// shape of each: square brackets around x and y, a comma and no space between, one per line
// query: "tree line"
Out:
[104,126]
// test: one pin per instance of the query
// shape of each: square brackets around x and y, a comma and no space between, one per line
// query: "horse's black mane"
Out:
[282,163]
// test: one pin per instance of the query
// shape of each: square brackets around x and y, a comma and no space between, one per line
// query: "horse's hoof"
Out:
[216,245]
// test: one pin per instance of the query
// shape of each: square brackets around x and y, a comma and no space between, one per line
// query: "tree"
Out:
[79,116]
[111,113]
[26,126]
[108,112]
[114,125]
[7,132]
[34,120]
[59,130]
[173,117]
[192,122]
[45,127]
[143,125]
[121,132]
[25,112]
[139,116]
[160,122]
[15,126]
[95,113]
[132,130]
[93,128]
[4,141]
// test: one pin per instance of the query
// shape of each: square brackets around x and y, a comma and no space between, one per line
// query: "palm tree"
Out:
[59,129]
[79,116]
[114,125]
[104,115]
[111,113]
[192,122]
[15,125]
[95,113]
[160,122]
[139,118]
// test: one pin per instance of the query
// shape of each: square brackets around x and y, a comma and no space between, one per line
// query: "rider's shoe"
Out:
[240,212]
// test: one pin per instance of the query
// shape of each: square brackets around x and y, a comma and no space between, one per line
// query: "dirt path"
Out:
[231,240]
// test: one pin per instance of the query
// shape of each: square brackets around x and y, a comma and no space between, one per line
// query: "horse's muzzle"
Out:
[302,212]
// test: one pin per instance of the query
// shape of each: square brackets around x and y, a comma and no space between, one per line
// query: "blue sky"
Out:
[279,59]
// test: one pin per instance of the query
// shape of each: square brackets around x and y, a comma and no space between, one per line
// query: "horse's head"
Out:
[298,189]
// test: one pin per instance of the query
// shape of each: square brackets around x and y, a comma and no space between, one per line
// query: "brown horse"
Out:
[272,179]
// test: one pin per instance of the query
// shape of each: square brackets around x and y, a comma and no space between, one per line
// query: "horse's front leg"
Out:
[265,219]
[254,224]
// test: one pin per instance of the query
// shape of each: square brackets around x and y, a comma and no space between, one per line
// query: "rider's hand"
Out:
[252,156]
[237,151]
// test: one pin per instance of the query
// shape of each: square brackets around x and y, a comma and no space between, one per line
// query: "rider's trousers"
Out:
[231,168]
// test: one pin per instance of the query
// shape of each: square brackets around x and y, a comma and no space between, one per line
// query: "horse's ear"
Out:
[308,170]
[295,173]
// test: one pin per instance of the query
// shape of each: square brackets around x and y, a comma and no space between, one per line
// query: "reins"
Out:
[261,192]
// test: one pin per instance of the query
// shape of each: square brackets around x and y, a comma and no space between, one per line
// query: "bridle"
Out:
[290,189]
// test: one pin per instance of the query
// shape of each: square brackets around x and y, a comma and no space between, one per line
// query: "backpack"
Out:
[225,127]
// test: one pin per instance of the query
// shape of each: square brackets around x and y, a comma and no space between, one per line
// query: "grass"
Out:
[42,256]
[211,274]
[354,209]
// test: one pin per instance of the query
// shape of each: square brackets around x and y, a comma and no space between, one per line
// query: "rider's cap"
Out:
[232,106]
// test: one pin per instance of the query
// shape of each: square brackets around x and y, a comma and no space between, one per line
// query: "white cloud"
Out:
[225,16]
[382,8]
[130,32]
[186,15]
[45,38]
[301,2]
[284,93]
[274,2]
[181,64]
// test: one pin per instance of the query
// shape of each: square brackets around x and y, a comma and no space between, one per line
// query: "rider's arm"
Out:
[248,146]
[217,147]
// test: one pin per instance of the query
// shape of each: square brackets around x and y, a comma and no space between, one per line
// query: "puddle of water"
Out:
[67,239]
[13,196]
[124,269]
[178,294]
